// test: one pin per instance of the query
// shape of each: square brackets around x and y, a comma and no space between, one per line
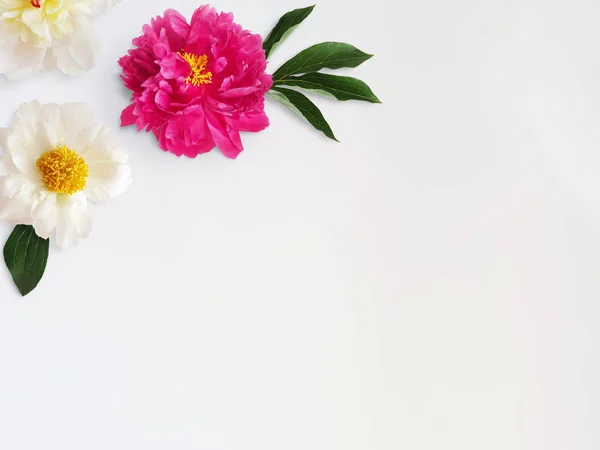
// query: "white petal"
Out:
[53,124]
[28,112]
[66,233]
[76,116]
[73,220]
[49,62]
[77,53]
[107,180]
[17,195]
[18,59]
[6,165]
[22,156]
[45,215]
[19,185]
[109,176]
[98,143]
[24,141]
[15,210]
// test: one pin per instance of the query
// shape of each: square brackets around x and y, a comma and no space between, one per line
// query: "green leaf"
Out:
[301,105]
[331,55]
[342,88]
[284,28]
[26,254]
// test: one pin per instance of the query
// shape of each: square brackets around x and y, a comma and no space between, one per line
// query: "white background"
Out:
[430,283]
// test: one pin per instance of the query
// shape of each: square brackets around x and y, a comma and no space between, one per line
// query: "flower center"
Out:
[198,74]
[36,3]
[63,170]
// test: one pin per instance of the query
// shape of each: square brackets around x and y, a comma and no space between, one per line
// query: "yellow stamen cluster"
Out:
[198,74]
[63,170]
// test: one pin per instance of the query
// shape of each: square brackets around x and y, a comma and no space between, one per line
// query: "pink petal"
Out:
[227,139]
[127,116]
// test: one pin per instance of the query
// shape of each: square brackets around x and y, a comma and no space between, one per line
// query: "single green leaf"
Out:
[25,255]
[284,28]
[342,88]
[331,55]
[301,105]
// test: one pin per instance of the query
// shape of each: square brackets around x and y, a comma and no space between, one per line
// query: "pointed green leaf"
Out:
[284,28]
[26,254]
[342,88]
[301,105]
[331,55]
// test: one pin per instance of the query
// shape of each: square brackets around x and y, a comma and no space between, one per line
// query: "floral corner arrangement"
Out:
[197,85]
[43,35]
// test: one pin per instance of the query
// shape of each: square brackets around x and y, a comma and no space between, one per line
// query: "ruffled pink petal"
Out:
[239,92]
[173,66]
[227,139]
[251,122]
[127,116]
[177,28]
[191,151]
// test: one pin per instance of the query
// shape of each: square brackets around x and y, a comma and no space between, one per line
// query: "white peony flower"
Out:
[55,159]
[42,35]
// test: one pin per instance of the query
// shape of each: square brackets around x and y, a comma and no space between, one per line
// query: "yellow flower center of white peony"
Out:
[198,74]
[39,22]
[63,170]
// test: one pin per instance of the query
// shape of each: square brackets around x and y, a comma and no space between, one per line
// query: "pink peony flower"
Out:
[196,86]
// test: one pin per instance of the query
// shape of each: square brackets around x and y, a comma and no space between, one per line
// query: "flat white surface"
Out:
[430,283]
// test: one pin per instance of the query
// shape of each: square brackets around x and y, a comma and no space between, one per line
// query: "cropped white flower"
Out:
[55,159]
[42,35]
